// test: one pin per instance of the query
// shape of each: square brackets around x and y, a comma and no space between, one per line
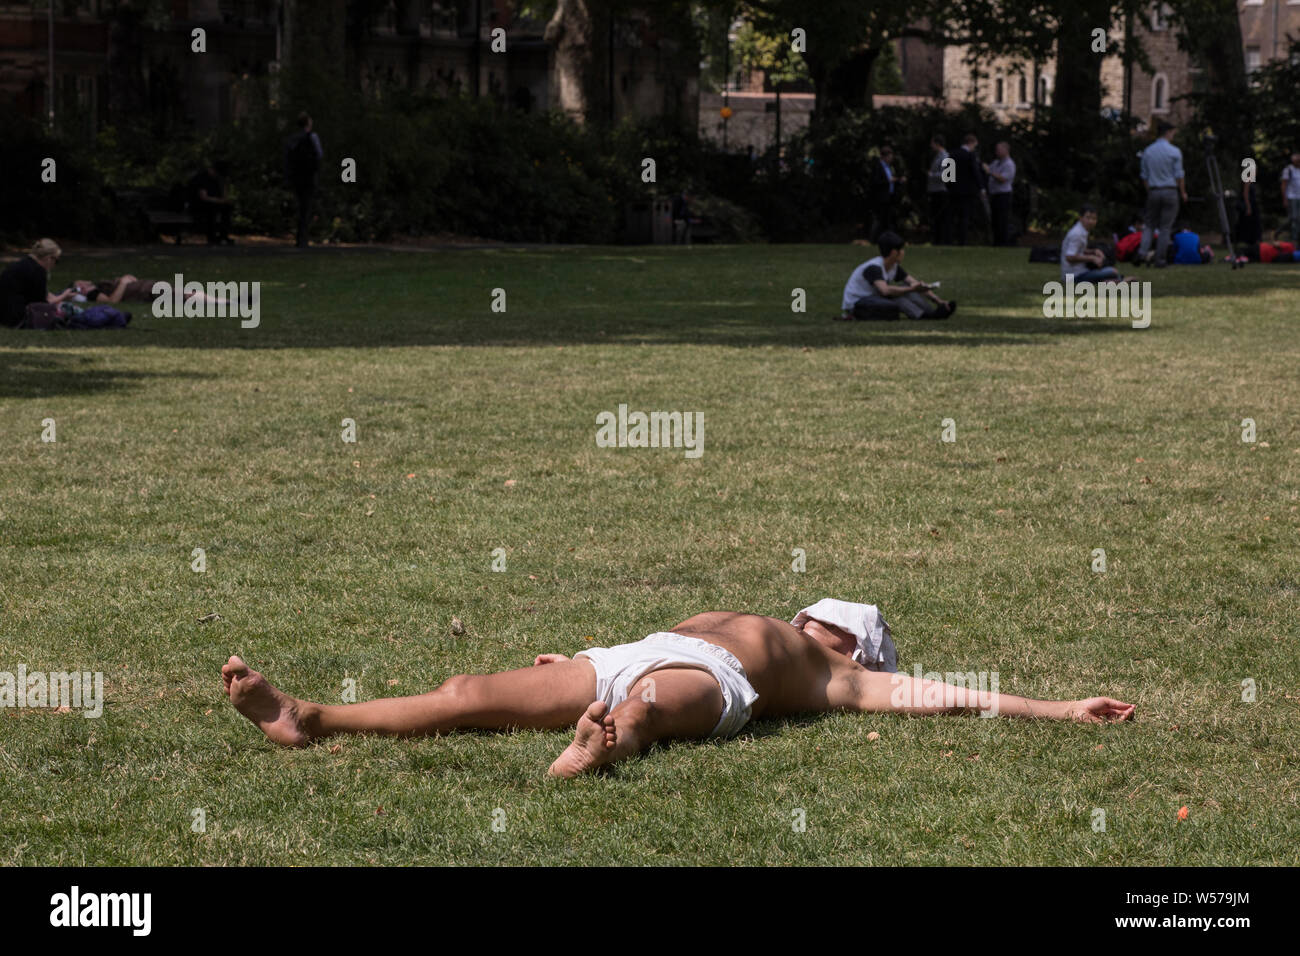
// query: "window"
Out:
[1044,91]
[998,91]
[1252,59]
[1160,14]
[1023,98]
[1160,94]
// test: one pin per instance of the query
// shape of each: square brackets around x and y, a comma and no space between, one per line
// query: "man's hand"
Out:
[548,659]
[1099,710]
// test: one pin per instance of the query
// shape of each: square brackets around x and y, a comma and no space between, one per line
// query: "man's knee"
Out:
[458,686]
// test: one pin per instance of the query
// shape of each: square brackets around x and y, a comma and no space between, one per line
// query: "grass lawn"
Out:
[328,561]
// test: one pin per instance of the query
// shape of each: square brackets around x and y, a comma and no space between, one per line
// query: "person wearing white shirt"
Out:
[1080,260]
[1002,174]
[880,286]
[1291,195]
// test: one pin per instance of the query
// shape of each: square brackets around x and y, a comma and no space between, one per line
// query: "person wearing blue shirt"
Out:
[1187,248]
[1162,174]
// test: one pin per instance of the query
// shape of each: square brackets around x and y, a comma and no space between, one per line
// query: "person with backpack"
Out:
[302,156]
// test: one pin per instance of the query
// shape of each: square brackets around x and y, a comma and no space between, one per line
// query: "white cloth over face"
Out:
[876,651]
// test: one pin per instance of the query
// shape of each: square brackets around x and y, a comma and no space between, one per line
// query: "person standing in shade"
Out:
[1162,174]
[969,185]
[302,156]
[1002,174]
[884,188]
[1291,195]
[937,192]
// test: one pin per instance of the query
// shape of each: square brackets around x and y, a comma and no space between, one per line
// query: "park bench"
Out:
[164,210]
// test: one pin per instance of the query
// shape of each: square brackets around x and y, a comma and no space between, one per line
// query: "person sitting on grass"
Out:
[881,288]
[1085,263]
[24,284]
[708,677]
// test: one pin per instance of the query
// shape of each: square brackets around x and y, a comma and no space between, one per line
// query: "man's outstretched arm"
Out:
[881,691]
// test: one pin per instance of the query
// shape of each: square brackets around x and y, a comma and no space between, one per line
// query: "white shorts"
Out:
[619,667]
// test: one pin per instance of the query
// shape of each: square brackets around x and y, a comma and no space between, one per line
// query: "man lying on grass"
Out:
[708,677]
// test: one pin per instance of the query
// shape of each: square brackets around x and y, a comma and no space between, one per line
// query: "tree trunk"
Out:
[843,86]
[1078,67]
[578,34]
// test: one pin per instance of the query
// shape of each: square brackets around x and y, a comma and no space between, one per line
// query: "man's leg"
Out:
[939,218]
[304,214]
[668,703]
[913,305]
[1168,213]
[544,697]
[1149,223]
[1294,205]
[1000,204]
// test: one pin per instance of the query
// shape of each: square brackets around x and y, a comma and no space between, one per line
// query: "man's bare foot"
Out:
[276,714]
[593,743]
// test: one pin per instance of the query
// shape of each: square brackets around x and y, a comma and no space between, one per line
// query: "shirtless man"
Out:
[708,677]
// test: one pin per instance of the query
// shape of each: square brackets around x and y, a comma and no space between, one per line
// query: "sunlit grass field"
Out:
[328,561]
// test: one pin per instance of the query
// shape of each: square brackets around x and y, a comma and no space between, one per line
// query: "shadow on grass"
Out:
[397,330]
[38,373]
[736,297]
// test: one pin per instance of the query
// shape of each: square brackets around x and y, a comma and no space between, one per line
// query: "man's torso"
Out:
[1163,162]
[1291,176]
[792,673]
[1006,168]
[1075,243]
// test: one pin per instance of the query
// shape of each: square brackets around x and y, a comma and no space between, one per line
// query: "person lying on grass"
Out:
[127,288]
[708,677]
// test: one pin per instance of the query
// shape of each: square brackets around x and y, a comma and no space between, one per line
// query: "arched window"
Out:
[999,91]
[1023,92]
[1159,94]
[1044,91]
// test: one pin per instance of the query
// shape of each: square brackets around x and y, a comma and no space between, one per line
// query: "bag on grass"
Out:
[99,317]
[41,315]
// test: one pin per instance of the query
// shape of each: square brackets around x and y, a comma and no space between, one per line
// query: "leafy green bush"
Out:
[73,206]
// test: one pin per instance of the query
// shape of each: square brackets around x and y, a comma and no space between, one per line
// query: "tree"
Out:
[842,41]
[1210,31]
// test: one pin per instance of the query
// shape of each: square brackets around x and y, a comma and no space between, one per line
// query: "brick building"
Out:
[1009,86]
